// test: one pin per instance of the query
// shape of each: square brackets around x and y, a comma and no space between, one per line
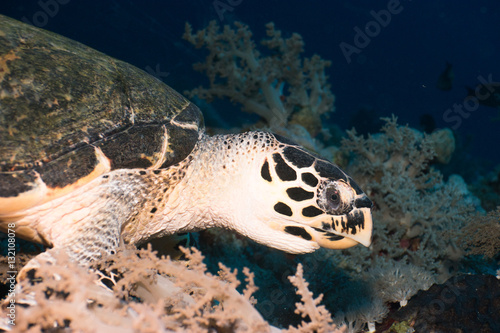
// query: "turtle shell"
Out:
[69,113]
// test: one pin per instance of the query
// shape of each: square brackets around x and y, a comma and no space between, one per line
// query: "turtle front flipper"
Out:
[122,206]
[86,223]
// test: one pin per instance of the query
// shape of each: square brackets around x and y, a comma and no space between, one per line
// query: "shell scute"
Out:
[69,113]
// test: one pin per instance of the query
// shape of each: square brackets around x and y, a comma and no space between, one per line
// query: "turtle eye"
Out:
[333,197]
[336,198]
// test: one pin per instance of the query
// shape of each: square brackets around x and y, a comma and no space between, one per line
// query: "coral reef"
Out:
[465,303]
[289,92]
[487,188]
[414,206]
[398,283]
[321,320]
[443,144]
[135,291]
[481,235]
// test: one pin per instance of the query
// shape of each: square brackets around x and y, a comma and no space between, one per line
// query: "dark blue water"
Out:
[393,51]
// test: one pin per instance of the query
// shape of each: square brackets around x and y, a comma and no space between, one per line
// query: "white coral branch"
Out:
[320,318]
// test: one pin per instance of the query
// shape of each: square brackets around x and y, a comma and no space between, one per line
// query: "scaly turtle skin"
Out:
[95,152]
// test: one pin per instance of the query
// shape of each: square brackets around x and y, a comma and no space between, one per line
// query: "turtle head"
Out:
[304,202]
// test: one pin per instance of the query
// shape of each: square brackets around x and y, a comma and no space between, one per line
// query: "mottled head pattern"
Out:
[318,202]
[299,201]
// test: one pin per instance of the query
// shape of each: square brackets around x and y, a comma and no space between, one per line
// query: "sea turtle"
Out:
[95,152]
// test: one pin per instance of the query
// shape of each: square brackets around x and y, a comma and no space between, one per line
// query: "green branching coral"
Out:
[288,91]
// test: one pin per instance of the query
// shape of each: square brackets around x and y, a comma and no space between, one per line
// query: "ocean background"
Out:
[395,71]
[387,58]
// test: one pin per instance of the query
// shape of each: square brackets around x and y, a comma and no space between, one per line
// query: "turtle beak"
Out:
[362,231]
[344,231]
